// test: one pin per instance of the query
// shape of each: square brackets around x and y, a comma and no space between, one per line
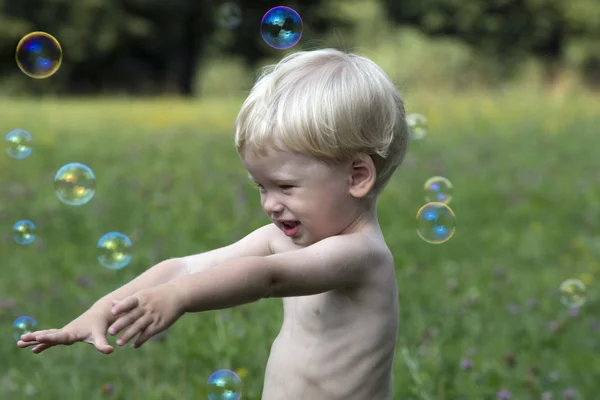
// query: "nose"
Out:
[272,206]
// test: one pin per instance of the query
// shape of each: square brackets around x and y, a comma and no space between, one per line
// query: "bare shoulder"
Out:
[256,243]
[336,262]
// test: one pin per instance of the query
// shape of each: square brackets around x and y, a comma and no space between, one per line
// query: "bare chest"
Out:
[350,335]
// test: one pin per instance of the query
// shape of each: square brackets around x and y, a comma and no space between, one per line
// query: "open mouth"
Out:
[291,228]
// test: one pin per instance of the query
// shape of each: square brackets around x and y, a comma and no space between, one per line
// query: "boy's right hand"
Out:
[90,328]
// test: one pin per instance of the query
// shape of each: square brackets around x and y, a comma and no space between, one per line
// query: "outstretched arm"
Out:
[334,263]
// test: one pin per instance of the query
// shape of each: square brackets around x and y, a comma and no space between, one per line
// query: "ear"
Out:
[362,176]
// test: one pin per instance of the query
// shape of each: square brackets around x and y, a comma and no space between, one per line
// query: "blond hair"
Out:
[329,105]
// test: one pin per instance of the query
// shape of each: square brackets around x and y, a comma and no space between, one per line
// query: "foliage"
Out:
[507,30]
[141,46]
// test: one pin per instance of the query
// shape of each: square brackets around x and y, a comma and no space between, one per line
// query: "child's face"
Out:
[297,188]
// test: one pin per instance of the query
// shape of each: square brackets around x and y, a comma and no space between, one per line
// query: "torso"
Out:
[336,345]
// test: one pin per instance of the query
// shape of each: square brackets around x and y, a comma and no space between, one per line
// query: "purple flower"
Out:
[499,272]
[514,309]
[504,394]
[532,303]
[466,364]
[554,376]
[570,394]
[573,312]
[554,326]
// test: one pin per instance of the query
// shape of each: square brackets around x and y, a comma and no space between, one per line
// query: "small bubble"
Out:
[75,184]
[417,126]
[436,223]
[18,143]
[22,326]
[39,55]
[229,15]
[23,232]
[572,293]
[438,188]
[224,385]
[281,27]
[114,250]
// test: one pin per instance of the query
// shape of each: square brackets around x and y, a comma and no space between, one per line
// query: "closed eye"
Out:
[282,187]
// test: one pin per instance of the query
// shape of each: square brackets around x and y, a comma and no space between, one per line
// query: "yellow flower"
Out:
[241,372]
[587,279]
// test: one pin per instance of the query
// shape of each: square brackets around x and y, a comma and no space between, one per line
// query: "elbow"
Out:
[176,267]
[269,278]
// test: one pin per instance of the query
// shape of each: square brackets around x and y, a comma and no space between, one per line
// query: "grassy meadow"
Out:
[480,313]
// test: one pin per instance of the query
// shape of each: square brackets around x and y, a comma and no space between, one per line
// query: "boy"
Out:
[321,133]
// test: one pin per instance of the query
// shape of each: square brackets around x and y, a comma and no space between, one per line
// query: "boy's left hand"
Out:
[146,313]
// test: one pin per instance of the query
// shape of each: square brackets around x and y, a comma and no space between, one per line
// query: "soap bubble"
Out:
[23,232]
[114,250]
[229,15]
[436,223]
[224,385]
[438,188]
[417,126]
[75,184]
[18,143]
[22,326]
[38,55]
[281,27]
[572,293]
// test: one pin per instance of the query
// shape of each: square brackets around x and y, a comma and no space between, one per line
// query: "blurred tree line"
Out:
[157,46]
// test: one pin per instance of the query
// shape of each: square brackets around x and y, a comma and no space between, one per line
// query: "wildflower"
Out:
[514,309]
[510,359]
[573,312]
[466,364]
[532,303]
[504,394]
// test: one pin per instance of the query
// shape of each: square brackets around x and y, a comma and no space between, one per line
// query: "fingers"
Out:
[45,339]
[22,344]
[100,342]
[127,304]
[32,335]
[58,337]
[144,336]
[50,336]
[125,320]
[38,349]
[134,329]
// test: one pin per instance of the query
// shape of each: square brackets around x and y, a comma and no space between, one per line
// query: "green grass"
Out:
[525,172]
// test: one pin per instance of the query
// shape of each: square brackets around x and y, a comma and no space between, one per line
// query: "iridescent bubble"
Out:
[224,385]
[18,143]
[438,189]
[39,55]
[22,326]
[229,15]
[572,293]
[114,250]
[24,232]
[281,27]
[417,126]
[436,223]
[75,184]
